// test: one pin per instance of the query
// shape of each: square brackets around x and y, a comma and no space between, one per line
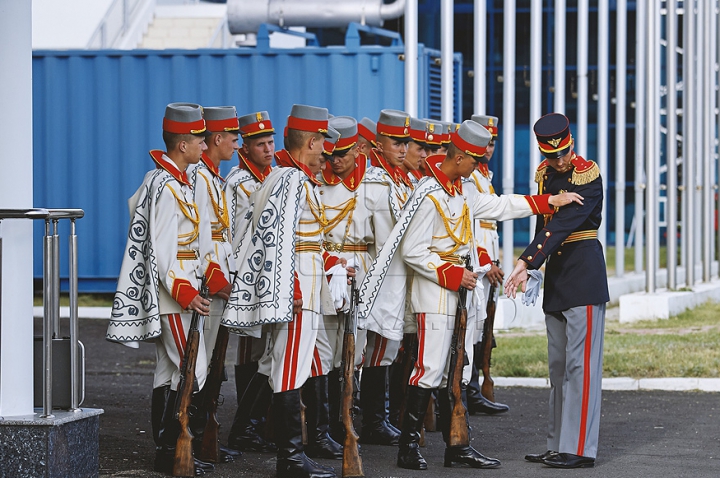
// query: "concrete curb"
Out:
[625,383]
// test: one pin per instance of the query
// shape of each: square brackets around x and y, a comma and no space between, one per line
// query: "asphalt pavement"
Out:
[642,433]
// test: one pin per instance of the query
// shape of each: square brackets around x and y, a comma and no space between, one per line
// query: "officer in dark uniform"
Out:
[576,293]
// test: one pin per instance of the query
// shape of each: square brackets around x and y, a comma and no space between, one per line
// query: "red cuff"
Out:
[329,260]
[450,276]
[297,293]
[539,204]
[216,280]
[483,256]
[183,292]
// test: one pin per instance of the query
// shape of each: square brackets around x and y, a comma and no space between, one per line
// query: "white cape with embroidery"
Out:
[263,289]
[136,306]
[382,308]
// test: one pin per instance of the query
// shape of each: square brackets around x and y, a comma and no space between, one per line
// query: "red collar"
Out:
[169,166]
[404,178]
[447,185]
[378,160]
[417,173]
[253,169]
[284,159]
[352,182]
[213,169]
[484,170]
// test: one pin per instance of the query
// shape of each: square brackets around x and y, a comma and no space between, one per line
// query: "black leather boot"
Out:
[168,432]
[250,417]
[157,407]
[337,430]
[416,404]
[243,374]
[463,454]
[395,390]
[376,430]
[291,459]
[317,415]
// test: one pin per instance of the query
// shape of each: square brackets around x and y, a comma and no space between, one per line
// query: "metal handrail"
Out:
[51,294]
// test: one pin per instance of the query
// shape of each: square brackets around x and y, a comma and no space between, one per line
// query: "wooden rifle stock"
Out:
[458,435]
[487,389]
[352,463]
[184,464]
[210,446]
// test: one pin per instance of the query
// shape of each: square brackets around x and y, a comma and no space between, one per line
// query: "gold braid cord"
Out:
[190,211]
[345,209]
[451,226]
[318,212]
[222,215]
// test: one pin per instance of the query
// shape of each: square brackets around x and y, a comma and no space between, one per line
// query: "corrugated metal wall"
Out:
[97,113]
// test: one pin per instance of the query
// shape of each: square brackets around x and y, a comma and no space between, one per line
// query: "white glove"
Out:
[479,291]
[532,289]
[338,284]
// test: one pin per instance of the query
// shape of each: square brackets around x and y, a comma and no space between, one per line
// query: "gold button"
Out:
[545,177]
[559,253]
[547,234]
[569,180]
[539,246]
[529,258]
[330,235]
[322,192]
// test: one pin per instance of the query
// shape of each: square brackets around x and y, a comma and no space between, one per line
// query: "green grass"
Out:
[683,346]
[84,300]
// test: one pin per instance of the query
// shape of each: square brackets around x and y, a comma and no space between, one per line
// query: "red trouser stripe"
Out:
[176,326]
[317,370]
[291,352]
[586,383]
[419,365]
[378,351]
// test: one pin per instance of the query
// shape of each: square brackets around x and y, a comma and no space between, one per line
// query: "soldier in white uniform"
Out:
[433,233]
[488,246]
[161,271]
[367,130]
[253,392]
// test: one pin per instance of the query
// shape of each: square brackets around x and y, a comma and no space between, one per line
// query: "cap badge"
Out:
[430,137]
[555,142]
[431,127]
[261,125]
[259,117]
[407,121]
[490,121]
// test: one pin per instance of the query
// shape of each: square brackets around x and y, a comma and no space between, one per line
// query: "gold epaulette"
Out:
[541,171]
[584,171]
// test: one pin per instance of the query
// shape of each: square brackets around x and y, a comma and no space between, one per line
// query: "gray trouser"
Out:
[575,356]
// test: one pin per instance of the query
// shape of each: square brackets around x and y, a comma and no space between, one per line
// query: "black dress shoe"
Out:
[468,455]
[568,460]
[251,442]
[409,457]
[230,451]
[203,465]
[479,404]
[539,457]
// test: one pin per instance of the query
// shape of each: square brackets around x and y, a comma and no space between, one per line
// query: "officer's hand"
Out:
[519,277]
[297,306]
[224,293]
[469,279]
[495,275]
[351,273]
[564,199]
[202,306]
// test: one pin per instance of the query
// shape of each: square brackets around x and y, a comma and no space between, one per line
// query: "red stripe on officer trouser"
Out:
[378,351]
[419,365]
[586,382]
[317,370]
[245,346]
[176,327]
[291,352]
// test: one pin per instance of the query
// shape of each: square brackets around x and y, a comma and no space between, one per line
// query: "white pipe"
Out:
[583,26]
[688,231]
[620,130]
[480,56]
[640,54]
[509,124]
[603,116]
[671,142]
[707,138]
[446,53]
[652,159]
[411,57]
[559,54]
[245,16]
[535,94]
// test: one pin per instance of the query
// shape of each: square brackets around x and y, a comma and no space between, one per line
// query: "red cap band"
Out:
[176,127]
[466,147]
[344,143]
[312,126]
[547,147]
[397,131]
[260,127]
[365,132]
[229,124]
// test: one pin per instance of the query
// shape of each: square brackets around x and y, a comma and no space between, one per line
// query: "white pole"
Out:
[652,158]
[620,121]
[671,142]
[583,27]
[559,54]
[535,93]
[509,122]
[411,57]
[603,117]
[480,56]
[688,231]
[708,108]
[640,54]
[16,192]
[446,53]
